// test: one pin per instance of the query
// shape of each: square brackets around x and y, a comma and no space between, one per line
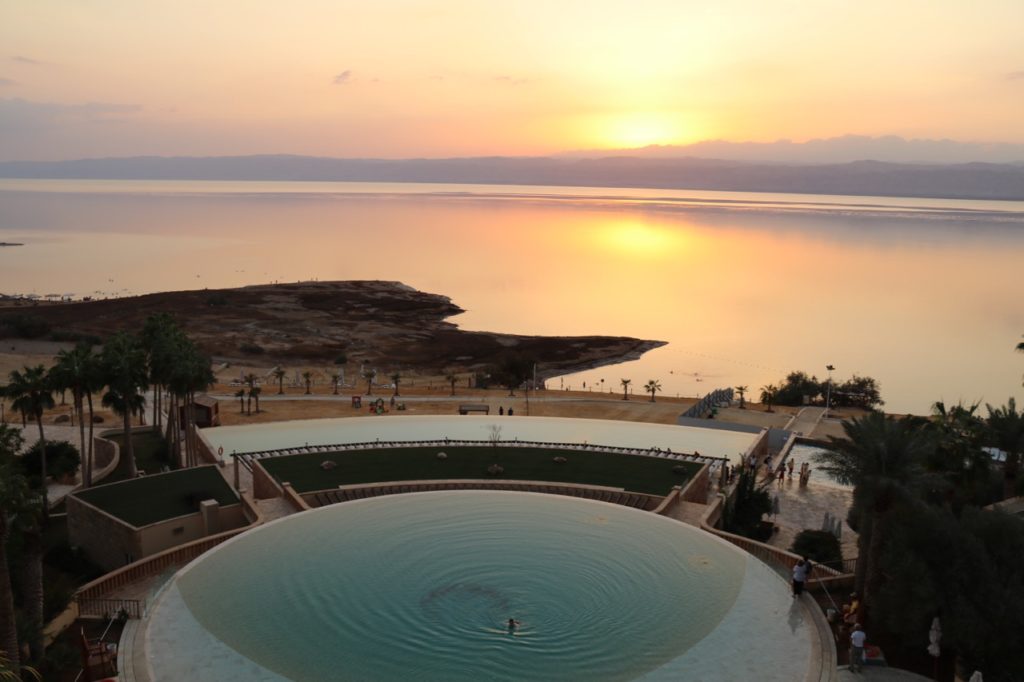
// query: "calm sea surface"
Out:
[925,295]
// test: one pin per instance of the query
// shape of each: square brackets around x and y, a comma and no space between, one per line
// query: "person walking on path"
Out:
[857,640]
[799,577]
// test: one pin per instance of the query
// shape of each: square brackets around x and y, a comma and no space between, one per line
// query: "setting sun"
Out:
[638,130]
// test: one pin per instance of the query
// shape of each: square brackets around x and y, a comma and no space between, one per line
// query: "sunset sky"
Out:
[403,78]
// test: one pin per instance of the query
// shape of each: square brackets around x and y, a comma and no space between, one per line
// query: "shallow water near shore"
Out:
[923,295]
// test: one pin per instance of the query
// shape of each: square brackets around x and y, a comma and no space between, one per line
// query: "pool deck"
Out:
[800,507]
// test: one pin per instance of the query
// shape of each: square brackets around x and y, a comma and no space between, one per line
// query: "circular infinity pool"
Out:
[422,586]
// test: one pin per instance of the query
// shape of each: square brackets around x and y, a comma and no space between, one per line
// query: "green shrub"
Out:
[820,546]
[742,514]
[62,459]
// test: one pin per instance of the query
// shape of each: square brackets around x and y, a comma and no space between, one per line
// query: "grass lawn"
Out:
[150,454]
[637,474]
[149,499]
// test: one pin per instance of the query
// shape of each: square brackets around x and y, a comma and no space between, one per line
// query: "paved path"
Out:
[802,507]
[806,421]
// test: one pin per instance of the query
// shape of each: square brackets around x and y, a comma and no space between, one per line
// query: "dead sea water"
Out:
[922,294]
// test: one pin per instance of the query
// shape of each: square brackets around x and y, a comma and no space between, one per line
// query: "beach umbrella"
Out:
[934,637]
[826,523]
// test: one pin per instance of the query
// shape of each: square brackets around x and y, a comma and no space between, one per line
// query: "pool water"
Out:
[801,453]
[421,586]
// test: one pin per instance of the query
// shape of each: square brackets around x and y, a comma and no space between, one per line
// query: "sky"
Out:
[438,78]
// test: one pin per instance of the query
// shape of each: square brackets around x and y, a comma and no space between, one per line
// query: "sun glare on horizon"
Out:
[640,130]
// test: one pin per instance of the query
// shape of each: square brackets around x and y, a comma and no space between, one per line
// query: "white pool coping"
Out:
[336,431]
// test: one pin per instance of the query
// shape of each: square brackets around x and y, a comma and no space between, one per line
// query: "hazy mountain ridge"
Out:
[866,178]
[843,149]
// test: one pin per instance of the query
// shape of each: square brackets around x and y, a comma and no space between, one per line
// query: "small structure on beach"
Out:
[205,411]
[466,408]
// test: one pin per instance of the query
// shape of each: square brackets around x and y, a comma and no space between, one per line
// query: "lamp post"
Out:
[828,392]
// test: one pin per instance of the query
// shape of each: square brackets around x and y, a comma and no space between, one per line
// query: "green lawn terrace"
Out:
[316,471]
[150,499]
[118,523]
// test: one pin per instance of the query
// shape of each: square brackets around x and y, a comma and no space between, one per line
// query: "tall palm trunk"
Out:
[873,575]
[86,474]
[190,429]
[33,591]
[129,448]
[42,460]
[89,458]
[8,630]
[171,433]
[156,407]
[863,544]
[190,459]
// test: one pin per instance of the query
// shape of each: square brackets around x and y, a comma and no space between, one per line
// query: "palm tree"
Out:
[742,390]
[77,370]
[768,394]
[652,386]
[625,388]
[396,379]
[278,374]
[882,457]
[15,499]
[240,394]
[160,338]
[1020,349]
[1005,427]
[192,374]
[30,392]
[451,378]
[335,378]
[124,371]
[254,393]
[369,375]
[958,456]
[250,381]
[307,377]
[12,672]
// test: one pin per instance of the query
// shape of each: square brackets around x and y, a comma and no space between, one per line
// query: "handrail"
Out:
[151,565]
[247,457]
[358,491]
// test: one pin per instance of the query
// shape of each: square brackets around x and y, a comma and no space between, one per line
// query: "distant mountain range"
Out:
[644,168]
[844,149]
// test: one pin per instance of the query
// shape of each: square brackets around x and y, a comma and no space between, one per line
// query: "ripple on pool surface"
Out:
[421,586]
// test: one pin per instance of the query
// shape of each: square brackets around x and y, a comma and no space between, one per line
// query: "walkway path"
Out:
[806,421]
[802,507]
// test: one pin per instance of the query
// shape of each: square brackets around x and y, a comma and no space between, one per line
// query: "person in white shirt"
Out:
[799,576]
[857,639]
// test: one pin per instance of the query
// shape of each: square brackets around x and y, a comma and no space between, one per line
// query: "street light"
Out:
[828,392]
